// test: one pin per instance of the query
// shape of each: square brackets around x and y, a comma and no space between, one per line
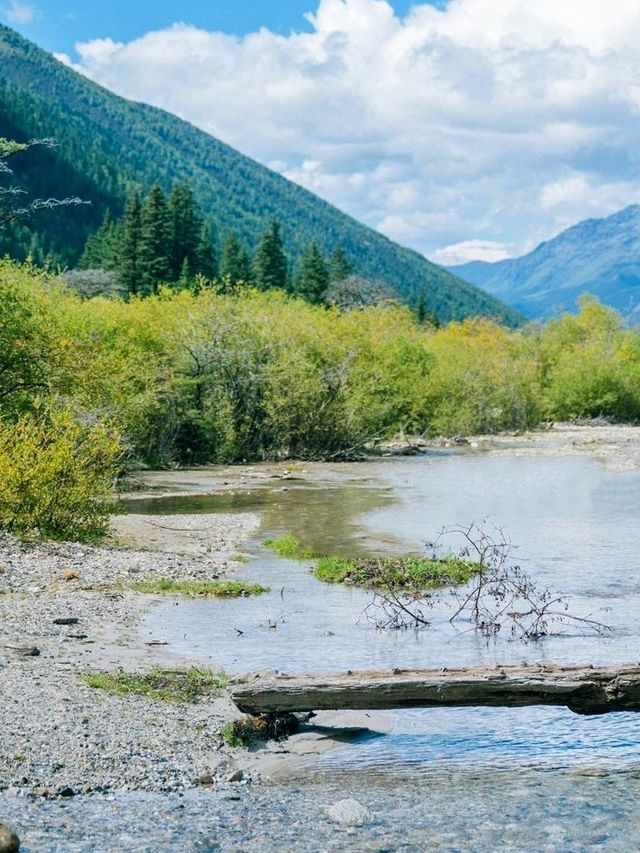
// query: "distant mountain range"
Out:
[106,145]
[598,256]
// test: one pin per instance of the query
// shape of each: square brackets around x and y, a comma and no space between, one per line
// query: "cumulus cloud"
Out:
[470,250]
[475,126]
[19,12]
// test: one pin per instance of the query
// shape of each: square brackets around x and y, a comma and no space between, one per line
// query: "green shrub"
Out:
[56,476]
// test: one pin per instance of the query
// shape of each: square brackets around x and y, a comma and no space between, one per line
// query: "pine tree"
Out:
[206,262]
[236,263]
[340,267]
[313,277]
[101,249]
[186,277]
[270,264]
[186,228]
[128,260]
[155,241]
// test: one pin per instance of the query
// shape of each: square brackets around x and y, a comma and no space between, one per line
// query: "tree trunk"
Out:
[582,689]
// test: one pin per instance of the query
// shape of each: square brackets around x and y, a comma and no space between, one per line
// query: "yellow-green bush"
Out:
[591,365]
[56,476]
[204,376]
[485,379]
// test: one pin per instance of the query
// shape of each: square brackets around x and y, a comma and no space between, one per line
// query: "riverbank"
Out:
[59,735]
[617,446]
[56,733]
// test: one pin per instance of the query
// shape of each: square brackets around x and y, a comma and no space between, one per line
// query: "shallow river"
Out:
[484,779]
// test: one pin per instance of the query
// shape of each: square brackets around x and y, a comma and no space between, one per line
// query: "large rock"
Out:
[9,841]
[348,813]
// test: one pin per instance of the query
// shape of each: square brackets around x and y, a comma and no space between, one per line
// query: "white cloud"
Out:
[486,123]
[470,250]
[19,12]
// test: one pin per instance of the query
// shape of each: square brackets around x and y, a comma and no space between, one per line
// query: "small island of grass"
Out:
[199,589]
[407,572]
[290,546]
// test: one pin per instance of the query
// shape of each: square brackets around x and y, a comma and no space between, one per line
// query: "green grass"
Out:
[199,589]
[172,685]
[289,546]
[408,572]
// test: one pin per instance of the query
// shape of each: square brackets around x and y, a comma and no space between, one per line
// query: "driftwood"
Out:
[582,689]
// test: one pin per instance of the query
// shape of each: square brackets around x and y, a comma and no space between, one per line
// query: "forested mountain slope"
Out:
[106,145]
[598,256]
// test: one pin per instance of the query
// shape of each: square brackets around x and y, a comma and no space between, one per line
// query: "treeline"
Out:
[89,387]
[162,240]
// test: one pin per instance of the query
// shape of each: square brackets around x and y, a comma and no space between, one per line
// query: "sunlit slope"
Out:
[105,143]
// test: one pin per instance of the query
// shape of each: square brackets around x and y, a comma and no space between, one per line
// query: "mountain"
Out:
[598,256]
[106,145]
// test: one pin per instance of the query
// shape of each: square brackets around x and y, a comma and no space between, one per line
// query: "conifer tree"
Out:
[206,262]
[186,277]
[313,277]
[101,249]
[155,241]
[186,228]
[340,267]
[235,264]
[270,264]
[128,259]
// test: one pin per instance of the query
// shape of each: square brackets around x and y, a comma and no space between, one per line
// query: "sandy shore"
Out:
[58,734]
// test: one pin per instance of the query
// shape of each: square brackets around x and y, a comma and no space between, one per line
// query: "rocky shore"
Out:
[66,610]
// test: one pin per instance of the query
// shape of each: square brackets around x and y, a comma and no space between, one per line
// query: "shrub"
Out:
[56,476]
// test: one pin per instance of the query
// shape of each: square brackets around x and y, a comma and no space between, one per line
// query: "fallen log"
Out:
[582,689]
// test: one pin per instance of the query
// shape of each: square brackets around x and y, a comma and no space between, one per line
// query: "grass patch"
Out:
[289,546]
[409,572]
[200,589]
[240,558]
[244,732]
[171,685]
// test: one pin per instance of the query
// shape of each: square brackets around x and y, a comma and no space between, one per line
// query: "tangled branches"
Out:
[501,597]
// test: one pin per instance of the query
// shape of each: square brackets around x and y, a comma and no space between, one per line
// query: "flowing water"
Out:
[483,779]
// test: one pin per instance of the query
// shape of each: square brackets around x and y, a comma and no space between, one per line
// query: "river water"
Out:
[484,779]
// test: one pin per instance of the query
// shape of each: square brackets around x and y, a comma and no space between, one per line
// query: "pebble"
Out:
[9,841]
[59,737]
[235,776]
[348,813]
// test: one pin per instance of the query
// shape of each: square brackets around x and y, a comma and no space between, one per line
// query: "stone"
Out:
[348,813]
[66,791]
[9,841]
[22,650]
[206,779]
[66,620]
[235,776]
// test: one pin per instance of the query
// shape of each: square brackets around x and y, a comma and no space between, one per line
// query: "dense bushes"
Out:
[203,377]
[56,476]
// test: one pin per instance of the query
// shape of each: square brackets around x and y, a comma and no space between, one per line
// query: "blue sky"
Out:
[473,130]
[57,24]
